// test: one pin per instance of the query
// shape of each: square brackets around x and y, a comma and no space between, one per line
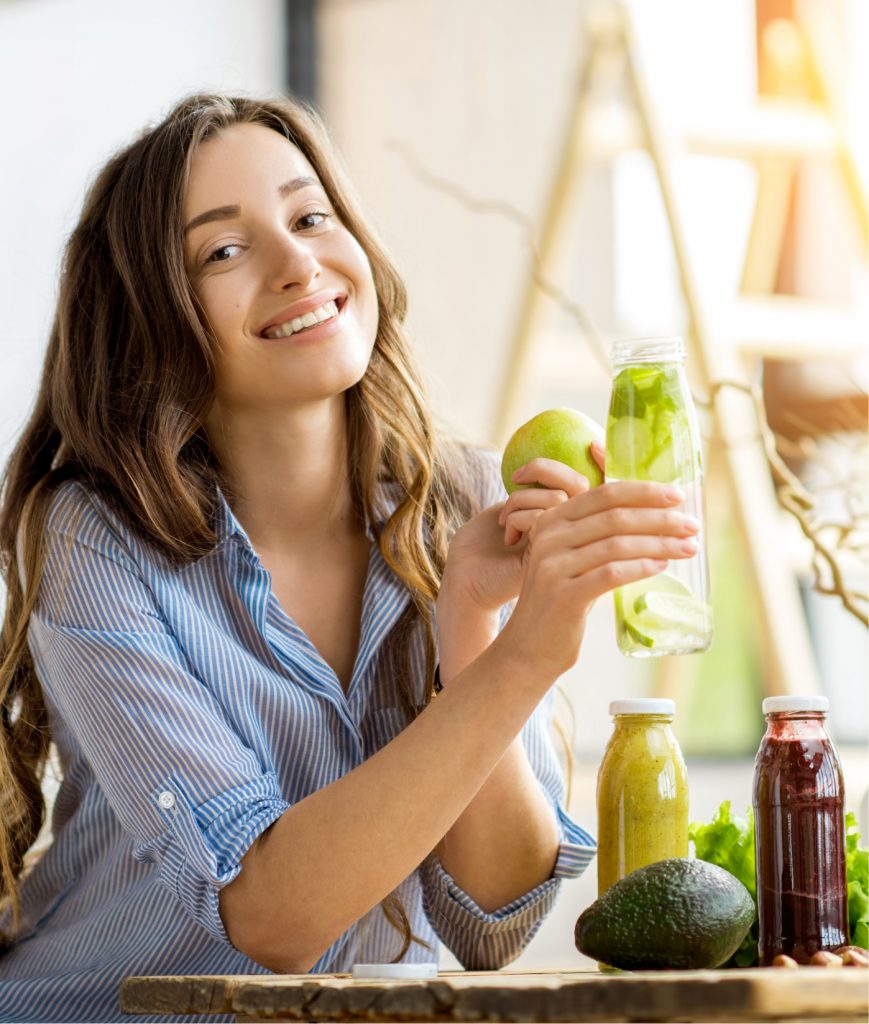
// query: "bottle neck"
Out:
[647,350]
[627,721]
[796,725]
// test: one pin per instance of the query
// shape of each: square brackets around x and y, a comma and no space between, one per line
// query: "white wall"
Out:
[79,79]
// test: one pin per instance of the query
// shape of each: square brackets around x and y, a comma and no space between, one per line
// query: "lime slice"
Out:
[646,636]
[663,583]
[671,611]
[662,612]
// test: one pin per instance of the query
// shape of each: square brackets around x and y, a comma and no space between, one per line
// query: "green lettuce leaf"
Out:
[857,869]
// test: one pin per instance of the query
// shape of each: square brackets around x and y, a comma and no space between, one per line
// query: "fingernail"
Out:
[691,523]
[517,475]
[675,494]
[690,547]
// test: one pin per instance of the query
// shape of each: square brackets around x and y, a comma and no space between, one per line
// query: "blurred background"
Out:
[550,175]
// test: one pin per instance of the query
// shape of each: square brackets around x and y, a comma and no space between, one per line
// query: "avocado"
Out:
[673,914]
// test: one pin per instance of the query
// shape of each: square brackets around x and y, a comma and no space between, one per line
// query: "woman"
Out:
[236,553]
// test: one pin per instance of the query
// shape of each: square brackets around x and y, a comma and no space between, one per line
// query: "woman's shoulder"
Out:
[78,515]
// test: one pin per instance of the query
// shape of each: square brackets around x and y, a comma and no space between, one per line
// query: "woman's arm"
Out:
[337,853]
[505,842]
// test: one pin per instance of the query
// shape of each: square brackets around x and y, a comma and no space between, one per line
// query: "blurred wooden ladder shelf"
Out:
[775,327]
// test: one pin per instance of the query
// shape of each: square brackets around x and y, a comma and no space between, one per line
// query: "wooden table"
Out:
[806,994]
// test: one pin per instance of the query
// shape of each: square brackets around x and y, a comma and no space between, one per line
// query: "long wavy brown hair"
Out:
[126,382]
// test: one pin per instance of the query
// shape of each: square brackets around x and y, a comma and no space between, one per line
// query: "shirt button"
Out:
[166,800]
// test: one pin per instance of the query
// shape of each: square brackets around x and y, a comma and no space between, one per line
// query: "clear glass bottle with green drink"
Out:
[652,434]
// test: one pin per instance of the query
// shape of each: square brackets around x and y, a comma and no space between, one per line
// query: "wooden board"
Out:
[552,996]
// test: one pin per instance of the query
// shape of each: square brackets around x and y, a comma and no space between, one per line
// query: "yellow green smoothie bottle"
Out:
[642,791]
[652,434]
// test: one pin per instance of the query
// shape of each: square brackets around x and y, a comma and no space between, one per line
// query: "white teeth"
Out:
[299,323]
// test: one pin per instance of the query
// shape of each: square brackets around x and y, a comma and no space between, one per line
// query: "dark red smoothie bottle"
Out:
[802,896]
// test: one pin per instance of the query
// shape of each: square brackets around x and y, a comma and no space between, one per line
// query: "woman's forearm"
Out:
[506,841]
[337,853]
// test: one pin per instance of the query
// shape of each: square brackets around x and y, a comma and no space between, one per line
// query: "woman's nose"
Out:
[293,264]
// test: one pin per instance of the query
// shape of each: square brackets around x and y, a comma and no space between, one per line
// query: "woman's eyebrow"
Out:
[228,212]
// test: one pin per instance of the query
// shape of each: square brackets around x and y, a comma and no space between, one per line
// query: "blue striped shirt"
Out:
[189,712]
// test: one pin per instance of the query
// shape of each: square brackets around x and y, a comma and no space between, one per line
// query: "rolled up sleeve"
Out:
[200,850]
[191,790]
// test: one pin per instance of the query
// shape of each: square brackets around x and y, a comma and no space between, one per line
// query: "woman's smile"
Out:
[305,315]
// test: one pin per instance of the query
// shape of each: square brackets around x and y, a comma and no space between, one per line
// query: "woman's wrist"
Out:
[464,629]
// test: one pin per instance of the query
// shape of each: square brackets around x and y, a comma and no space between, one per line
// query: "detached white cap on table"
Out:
[773,704]
[406,971]
[643,706]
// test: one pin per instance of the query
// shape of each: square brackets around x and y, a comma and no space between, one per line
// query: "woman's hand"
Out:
[583,547]
[486,556]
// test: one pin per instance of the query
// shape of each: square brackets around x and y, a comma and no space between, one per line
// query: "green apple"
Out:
[560,434]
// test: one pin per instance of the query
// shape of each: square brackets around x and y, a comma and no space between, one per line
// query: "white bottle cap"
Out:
[643,706]
[773,704]
[406,971]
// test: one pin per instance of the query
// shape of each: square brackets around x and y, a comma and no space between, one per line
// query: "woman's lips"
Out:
[301,323]
[299,310]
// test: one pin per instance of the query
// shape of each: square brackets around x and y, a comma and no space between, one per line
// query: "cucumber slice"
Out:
[663,468]
[630,445]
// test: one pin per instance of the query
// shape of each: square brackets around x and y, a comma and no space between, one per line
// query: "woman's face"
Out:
[287,290]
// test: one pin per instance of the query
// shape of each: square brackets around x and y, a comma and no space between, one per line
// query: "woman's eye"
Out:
[313,219]
[222,254]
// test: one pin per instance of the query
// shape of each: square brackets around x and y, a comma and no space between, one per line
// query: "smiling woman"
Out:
[235,551]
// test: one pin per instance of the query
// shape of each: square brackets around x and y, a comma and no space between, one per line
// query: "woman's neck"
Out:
[287,474]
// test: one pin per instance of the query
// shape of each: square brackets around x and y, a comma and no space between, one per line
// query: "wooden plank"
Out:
[552,996]
[786,327]
[779,128]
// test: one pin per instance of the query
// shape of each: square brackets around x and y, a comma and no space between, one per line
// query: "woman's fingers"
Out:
[533,498]
[519,523]
[553,475]
[619,550]
[628,521]
[624,493]
[604,578]
[598,453]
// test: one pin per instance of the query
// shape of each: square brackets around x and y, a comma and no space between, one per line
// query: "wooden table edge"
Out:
[554,996]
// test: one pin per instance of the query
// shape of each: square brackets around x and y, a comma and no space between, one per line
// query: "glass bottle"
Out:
[652,434]
[642,791]
[802,895]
